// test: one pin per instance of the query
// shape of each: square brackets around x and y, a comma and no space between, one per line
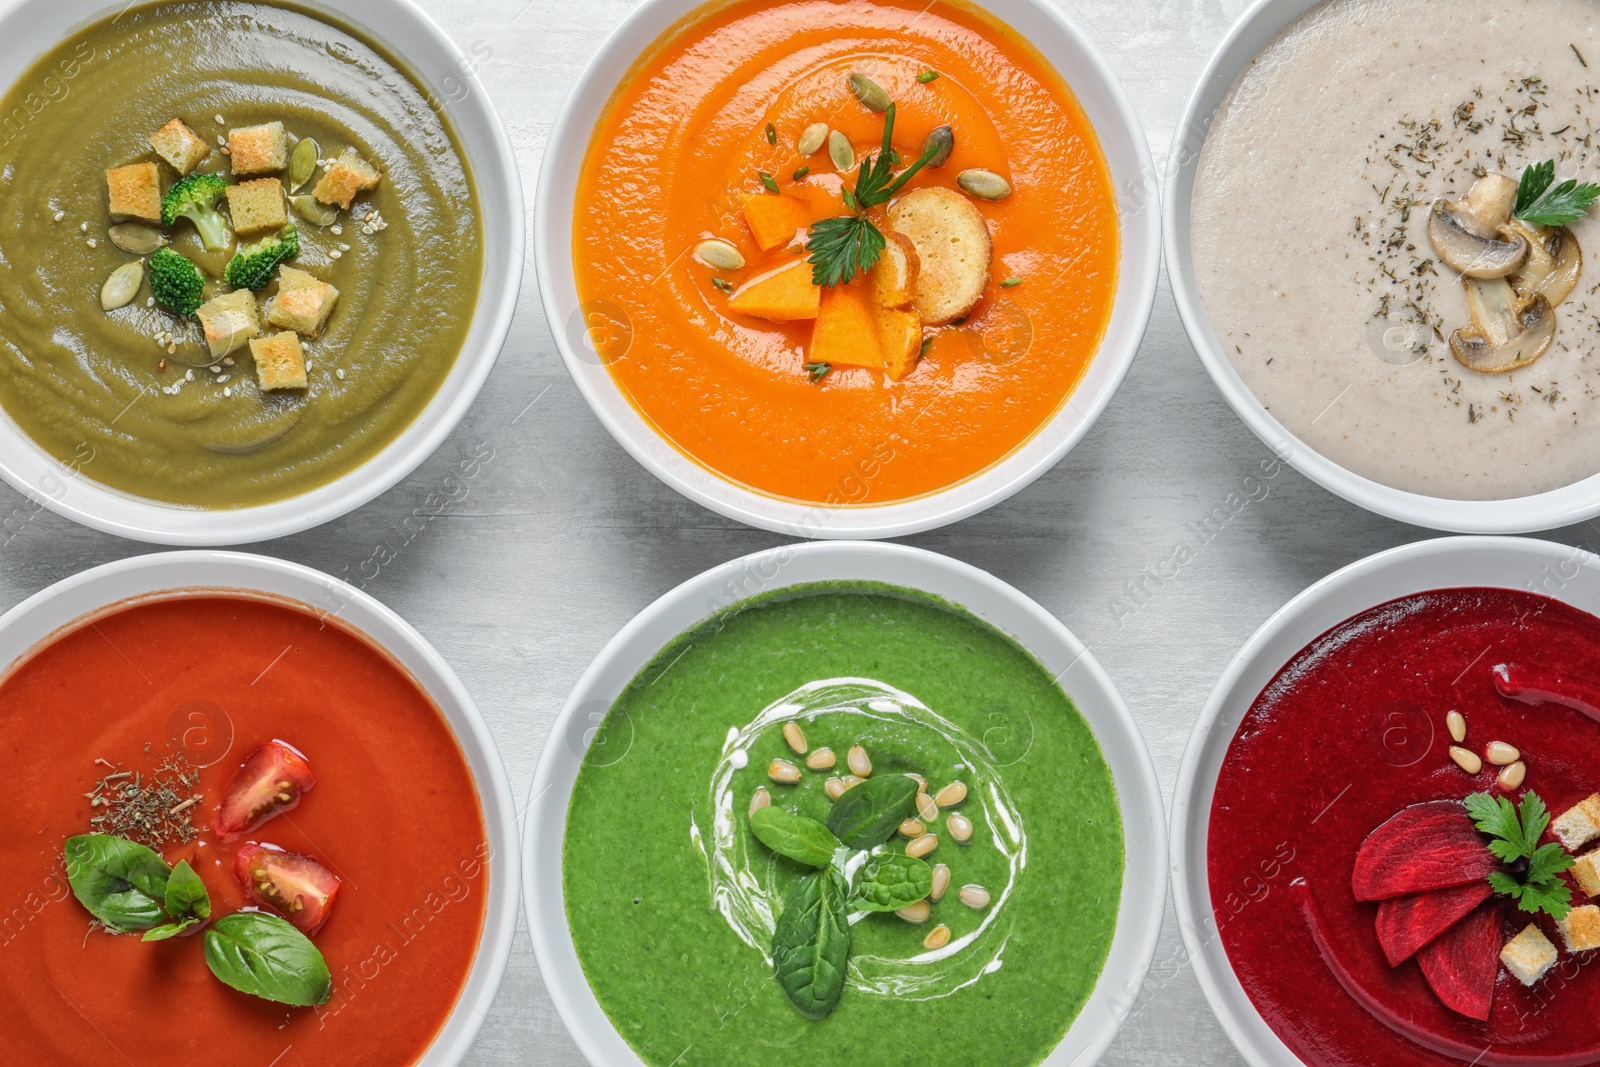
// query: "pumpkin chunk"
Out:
[774,220]
[781,295]
[900,334]
[846,333]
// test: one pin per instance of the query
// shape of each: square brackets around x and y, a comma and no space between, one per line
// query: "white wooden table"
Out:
[562,537]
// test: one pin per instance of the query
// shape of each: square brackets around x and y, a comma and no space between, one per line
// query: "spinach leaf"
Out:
[186,894]
[264,956]
[166,930]
[121,883]
[868,813]
[811,944]
[803,840]
[892,882]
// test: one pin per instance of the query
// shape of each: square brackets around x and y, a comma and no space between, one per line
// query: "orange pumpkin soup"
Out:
[702,143]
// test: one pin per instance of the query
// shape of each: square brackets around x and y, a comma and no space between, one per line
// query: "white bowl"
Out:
[31,27]
[1541,511]
[1069,50]
[1568,574]
[1138,794]
[178,573]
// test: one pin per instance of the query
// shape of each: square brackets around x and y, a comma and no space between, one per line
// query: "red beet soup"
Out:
[1349,882]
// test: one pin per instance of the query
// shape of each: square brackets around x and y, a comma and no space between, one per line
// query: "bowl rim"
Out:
[1259,24]
[164,575]
[51,483]
[1132,305]
[1396,571]
[1142,906]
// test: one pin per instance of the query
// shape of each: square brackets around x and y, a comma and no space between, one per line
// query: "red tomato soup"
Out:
[208,679]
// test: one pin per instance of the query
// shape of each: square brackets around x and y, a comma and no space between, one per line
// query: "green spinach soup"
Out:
[241,252]
[843,820]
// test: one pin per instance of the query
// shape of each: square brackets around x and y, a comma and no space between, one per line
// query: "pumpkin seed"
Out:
[811,138]
[983,184]
[873,96]
[940,142]
[314,211]
[123,285]
[303,163]
[840,151]
[136,238]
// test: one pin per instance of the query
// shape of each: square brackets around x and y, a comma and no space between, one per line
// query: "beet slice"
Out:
[1426,846]
[1407,923]
[1461,964]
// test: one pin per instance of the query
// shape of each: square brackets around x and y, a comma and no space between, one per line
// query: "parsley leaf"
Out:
[1516,838]
[1543,203]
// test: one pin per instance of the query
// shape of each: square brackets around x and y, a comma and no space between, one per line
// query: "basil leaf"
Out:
[121,883]
[166,930]
[892,882]
[186,894]
[868,813]
[264,956]
[803,840]
[811,944]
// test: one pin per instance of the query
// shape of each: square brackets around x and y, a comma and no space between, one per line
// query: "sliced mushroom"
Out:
[1493,306]
[1487,205]
[1467,252]
[1554,262]
[1536,322]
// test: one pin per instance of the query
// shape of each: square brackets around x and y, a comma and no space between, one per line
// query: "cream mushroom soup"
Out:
[1378,261]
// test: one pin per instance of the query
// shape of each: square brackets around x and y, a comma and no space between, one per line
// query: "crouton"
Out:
[1579,824]
[349,175]
[1581,929]
[785,294]
[900,336]
[774,220]
[256,206]
[229,321]
[1586,871]
[280,364]
[953,249]
[258,149]
[894,276]
[303,303]
[1528,955]
[846,332]
[180,146]
[135,192]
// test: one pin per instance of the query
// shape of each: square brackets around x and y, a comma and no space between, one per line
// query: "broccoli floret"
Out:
[252,265]
[195,198]
[177,283]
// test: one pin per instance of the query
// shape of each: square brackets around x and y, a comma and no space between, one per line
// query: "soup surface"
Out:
[95,389]
[686,138]
[200,682]
[1311,246]
[672,900]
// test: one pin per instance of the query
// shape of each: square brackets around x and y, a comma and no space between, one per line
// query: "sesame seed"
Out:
[227,392]
[91,242]
[339,374]
[309,366]
[227,361]
[335,254]
[338,230]
[214,369]
[60,215]
[188,375]
[83,227]
[149,301]
[344,247]
[219,120]
[222,142]
[171,349]
[224,378]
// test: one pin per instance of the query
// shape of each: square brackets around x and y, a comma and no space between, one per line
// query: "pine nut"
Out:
[795,737]
[1456,723]
[761,799]
[783,772]
[858,762]
[922,846]
[974,896]
[915,913]
[912,828]
[834,787]
[938,937]
[960,826]
[951,795]
[1501,754]
[927,808]
[821,760]
[941,881]
[850,782]
[1512,776]
[1467,761]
